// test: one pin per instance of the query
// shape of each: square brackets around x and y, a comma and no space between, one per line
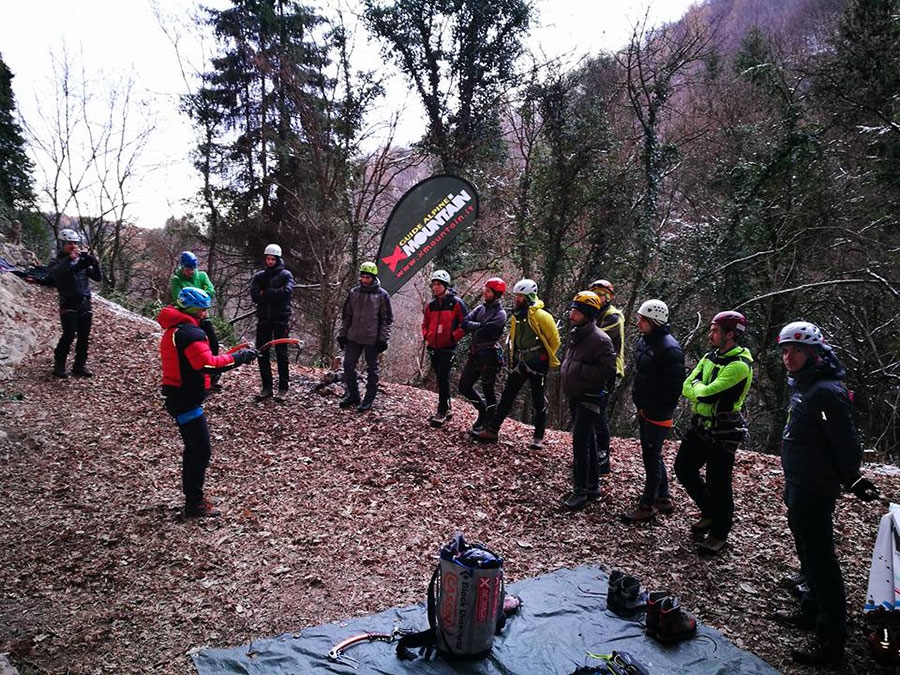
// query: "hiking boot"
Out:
[215,382]
[817,653]
[625,597]
[479,423]
[594,493]
[205,509]
[349,402]
[486,436]
[665,505]
[82,371]
[264,393]
[364,406]
[800,590]
[792,580]
[536,444]
[712,545]
[795,618]
[449,414]
[701,526]
[654,599]
[605,470]
[59,370]
[674,623]
[281,396]
[639,514]
[437,420]
[575,500]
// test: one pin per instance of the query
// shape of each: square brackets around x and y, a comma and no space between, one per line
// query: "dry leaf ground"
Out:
[326,514]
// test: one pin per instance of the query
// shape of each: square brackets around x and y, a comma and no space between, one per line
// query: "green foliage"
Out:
[224,330]
[16,188]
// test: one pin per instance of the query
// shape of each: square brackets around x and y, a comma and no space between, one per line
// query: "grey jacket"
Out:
[367,315]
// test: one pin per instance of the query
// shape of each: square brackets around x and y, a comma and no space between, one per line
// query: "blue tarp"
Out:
[563,617]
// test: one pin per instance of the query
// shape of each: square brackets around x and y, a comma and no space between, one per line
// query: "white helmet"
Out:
[273,249]
[655,310]
[525,287]
[801,332]
[69,235]
[441,275]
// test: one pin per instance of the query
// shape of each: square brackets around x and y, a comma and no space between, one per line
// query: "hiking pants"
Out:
[76,326]
[352,352]
[195,457]
[514,381]
[273,330]
[207,326]
[585,461]
[601,433]
[442,363]
[714,495]
[656,483]
[483,364]
[811,520]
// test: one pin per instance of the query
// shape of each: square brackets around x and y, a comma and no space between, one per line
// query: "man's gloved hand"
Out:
[865,490]
[381,346]
[245,356]
[342,341]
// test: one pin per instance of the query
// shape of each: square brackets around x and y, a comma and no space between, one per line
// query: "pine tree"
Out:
[16,190]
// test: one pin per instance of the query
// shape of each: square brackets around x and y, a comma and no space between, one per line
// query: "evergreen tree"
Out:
[16,191]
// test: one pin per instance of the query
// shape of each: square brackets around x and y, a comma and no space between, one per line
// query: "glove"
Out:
[381,346]
[244,356]
[342,341]
[865,490]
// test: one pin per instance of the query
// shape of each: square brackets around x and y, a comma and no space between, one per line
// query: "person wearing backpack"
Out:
[366,319]
[187,274]
[71,269]
[533,341]
[820,454]
[271,290]
[442,330]
[658,378]
[716,388]
[485,323]
[587,369]
[187,364]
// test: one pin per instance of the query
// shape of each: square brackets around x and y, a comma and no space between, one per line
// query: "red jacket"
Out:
[442,323]
[186,358]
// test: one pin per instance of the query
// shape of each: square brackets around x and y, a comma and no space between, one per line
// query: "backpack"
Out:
[465,603]
[37,274]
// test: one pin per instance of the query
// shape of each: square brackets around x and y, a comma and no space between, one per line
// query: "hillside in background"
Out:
[326,514]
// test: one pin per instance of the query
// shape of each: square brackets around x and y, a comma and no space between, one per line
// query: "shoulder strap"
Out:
[425,641]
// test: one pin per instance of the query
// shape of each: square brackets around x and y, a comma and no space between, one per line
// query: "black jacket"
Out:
[590,362]
[71,277]
[820,447]
[271,290]
[658,375]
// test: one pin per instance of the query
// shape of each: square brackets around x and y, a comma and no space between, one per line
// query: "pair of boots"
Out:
[624,595]
[78,369]
[351,400]
[667,621]
[437,420]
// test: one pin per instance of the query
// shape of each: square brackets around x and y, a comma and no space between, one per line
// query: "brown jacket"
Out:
[590,361]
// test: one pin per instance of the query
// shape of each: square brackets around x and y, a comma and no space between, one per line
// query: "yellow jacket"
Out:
[544,326]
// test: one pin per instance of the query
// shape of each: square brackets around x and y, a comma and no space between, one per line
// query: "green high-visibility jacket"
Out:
[720,382]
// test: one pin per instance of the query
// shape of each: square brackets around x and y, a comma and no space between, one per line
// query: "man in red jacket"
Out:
[187,364]
[442,330]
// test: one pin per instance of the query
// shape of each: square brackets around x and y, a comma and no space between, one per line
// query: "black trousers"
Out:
[352,352]
[713,495]
[601,433]
[485,365]
[585,459]
[76,327]
[195,457]
[210,330]
[442,363]
[811,520]
[517,377]
[656,483]
[273,330]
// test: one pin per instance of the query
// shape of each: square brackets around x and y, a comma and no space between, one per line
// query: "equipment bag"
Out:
[465,603]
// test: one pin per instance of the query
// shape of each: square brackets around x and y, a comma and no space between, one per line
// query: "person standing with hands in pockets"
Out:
[271,291]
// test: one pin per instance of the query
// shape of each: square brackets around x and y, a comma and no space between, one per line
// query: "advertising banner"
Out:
[427,218]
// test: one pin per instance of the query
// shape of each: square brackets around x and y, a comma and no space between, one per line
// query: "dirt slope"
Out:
[327,514]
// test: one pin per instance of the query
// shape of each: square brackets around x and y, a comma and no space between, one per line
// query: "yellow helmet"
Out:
[587,302]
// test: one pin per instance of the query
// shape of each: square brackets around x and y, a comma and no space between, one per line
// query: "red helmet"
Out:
[496,284]
[730,321]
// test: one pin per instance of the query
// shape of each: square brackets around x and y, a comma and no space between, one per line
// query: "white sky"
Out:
[115,39]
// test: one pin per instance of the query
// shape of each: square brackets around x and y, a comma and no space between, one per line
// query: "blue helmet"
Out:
[193,298]
[189,260]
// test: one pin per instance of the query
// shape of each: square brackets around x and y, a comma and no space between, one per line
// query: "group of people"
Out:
[820,447]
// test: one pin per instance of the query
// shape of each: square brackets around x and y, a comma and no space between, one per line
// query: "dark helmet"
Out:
[730,321]
[496,284]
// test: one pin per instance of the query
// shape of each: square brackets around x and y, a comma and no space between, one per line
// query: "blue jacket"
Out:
[659,374]
[271,290]
[820,447]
